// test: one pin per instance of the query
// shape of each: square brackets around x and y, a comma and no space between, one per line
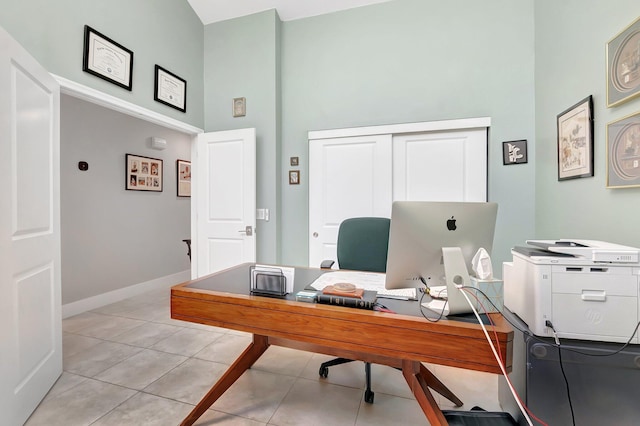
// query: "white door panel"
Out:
[440,166]
[225,200]
[30,308]
[348,177]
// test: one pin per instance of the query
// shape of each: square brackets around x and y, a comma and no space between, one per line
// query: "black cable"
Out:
[426,291]
[564,374]
[539,339]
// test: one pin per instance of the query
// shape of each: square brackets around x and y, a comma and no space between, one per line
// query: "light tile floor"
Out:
[129,363]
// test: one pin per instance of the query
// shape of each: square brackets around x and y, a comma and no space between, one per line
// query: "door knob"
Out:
[315,235]
[248,230]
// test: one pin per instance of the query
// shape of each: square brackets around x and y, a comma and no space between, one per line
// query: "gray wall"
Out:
[571,36]
[242,59]
[163,32]
[408,61]
[113,238]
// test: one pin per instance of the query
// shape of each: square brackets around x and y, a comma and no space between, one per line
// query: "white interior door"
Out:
[30,304]
[440,166]
[348,177]
[224,183]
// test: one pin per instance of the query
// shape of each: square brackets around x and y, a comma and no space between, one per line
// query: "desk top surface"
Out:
[235,280]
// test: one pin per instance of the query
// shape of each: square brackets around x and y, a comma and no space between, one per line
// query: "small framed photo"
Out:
[623,65]
[239,107]
[623,152]
[294,177]
[170,89]
[143,173]
[107,59]
[514,152]
[293,161]
[575,141]
[183,173]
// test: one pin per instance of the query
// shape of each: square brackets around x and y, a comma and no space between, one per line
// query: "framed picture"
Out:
[239,107]
[623,152]
[183,173]
[170,89]
[514,152]
[293,161]
[143,173]
[623,65]
[294,177]
[575,141]
[107,59]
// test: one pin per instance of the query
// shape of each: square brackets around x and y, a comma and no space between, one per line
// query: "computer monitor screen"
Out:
[420,229]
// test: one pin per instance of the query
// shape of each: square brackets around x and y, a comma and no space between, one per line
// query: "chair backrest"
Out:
[363,243]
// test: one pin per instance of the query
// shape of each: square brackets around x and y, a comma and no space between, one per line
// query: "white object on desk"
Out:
[372,281]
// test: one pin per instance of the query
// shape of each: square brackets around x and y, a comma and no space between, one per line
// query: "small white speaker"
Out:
[158,143]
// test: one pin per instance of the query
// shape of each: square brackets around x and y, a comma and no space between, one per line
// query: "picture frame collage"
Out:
[575,142]
[143,173]
[623,85]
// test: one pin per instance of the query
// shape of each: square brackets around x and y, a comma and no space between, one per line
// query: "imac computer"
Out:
[420,230]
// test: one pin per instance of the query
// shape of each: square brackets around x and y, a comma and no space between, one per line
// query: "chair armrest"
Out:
[327,264]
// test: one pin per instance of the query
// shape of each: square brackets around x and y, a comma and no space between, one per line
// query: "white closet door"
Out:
[440,166]
[348,177]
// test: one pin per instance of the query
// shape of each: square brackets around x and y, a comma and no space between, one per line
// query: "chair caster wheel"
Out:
[324,372]
[368,397]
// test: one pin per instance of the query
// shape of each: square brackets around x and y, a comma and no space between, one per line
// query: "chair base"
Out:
[324,372]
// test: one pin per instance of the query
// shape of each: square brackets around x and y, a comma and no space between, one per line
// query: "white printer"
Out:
[587,289]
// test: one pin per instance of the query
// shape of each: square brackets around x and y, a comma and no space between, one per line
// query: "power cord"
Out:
[564,374]
[557,344]
[427,291]
[523,410]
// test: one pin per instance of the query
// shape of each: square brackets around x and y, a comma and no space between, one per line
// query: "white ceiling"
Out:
[211,11]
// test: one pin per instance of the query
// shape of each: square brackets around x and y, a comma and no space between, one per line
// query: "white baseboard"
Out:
[80,306]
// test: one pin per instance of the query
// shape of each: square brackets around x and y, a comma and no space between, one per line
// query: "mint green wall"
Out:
[571,36]
[408,61]
[163,32]
[242,59]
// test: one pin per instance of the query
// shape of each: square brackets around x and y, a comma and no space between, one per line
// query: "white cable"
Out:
[495,354]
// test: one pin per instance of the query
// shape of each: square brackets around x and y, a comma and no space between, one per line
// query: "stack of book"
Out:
[347,295]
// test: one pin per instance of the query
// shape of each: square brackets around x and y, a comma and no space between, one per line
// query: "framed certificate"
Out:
[170,89]
[107,59]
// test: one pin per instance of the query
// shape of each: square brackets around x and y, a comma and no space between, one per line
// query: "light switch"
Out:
[262,214]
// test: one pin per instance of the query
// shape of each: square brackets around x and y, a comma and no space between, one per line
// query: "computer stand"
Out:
[456,274]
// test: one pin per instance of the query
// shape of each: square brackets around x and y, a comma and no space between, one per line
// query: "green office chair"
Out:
[362,246]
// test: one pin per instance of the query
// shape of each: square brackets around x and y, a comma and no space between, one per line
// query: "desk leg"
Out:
[418,383]
[434,383]
[244,362]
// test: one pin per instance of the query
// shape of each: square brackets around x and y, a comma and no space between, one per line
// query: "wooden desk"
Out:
[403,340]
